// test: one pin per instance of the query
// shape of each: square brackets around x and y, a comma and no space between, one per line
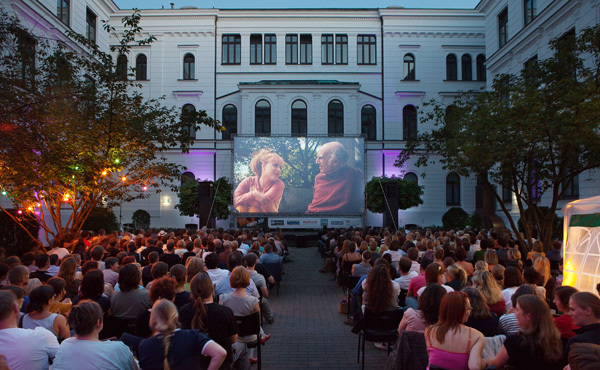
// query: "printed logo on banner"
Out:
[324,222]
[277,222]
[293,222]
[309,221]
[337,222]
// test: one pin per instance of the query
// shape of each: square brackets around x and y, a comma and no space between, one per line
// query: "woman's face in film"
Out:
[271,170]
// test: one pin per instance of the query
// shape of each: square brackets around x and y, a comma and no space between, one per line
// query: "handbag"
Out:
[343,306]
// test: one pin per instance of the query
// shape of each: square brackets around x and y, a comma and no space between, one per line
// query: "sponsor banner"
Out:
[250,222]
[312,223]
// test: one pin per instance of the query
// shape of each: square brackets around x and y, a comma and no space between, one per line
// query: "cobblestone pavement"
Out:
[308,332]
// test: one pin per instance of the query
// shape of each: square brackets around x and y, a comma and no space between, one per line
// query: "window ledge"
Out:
[405,80]
[181,79]
[141,80]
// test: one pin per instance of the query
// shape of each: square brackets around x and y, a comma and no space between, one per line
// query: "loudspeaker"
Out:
[390,215]
[205,200]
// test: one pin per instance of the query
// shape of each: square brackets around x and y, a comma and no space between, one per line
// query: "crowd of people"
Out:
[149,300]
[479,299]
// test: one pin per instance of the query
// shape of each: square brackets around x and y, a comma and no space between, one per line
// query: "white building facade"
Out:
[323,72]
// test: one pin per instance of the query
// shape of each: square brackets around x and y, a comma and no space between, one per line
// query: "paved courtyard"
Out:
[308,332]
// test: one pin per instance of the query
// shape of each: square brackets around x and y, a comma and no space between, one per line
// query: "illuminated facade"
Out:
[322,72]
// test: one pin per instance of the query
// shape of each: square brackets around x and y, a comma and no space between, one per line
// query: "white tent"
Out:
[581,247]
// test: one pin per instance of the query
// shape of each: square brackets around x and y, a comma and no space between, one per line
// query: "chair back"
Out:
[402,297]
[383,321]
[248,325]
[274,269]
[352,281]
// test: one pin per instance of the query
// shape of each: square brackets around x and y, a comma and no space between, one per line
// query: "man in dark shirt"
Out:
[169,257]
[151,247]
[147,270]
[223,255]
[42,261]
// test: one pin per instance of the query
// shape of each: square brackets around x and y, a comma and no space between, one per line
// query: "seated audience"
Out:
[584,309]
[537,345]
[427,313]
[456,277]
[177,349]
[130,299]
[38,313]
[24,349]
[85,350]
[451,344]
[485,282]
[512,282]
[480,317]
[564,323]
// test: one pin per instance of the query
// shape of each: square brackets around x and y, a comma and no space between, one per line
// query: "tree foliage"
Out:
[101,218]
[188,199]
[409,193]
[75,135]
[532,133]
[141,219]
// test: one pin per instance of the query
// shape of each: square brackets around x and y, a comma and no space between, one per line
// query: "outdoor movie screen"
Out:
[307,175]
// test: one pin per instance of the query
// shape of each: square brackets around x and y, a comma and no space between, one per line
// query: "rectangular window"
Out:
[503,28]
[506,195]
[90,31]
[63,10]
[341,49]
[26,47]
[232,49]
[291,49]
[367,49]
[255,49]
[530,10]
[270,49]
[326,49]
[305,49]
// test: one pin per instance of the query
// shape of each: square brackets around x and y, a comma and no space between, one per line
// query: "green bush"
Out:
[101,218]
[455,218]
[475,221]
[141,219]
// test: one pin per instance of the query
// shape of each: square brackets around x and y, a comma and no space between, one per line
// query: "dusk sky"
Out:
[272,4]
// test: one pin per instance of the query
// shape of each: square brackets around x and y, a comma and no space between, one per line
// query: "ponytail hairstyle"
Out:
[201,288]
[164,319]
[84,317]
[39,297]
[458,273]
[58,284]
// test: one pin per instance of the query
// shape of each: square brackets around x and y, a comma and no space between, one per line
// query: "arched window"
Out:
[409,122]
[467,67]
[411,176]
[409,67]
[187,115]
[229,118]
[299,118]
[481,67]
[187,176]
[452,189]
[368,122]
[189,67]
[335,118]
[262,118]
[451,69]
[122,67]
[141,70]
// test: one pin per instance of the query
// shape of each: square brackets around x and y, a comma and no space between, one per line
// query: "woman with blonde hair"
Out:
[262,192]
[538,344]
[491,258]
[542,265]
[485,282]
[456,277]
[169,347]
